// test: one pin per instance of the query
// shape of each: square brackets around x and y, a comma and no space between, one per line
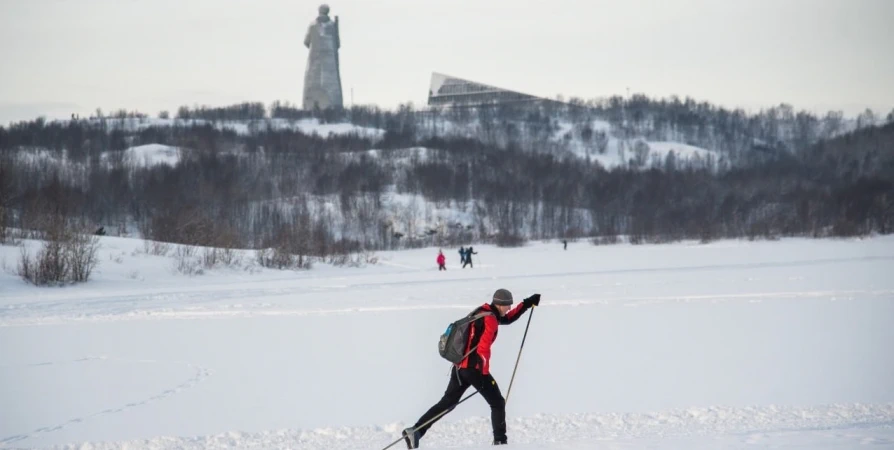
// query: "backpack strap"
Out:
[481,314]
[474,318]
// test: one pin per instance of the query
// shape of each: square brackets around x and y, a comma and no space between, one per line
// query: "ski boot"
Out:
[411,436]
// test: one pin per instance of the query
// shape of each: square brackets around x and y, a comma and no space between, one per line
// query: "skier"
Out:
[469,254]
[474,370]
[462,256]
[565,243]
[442,260]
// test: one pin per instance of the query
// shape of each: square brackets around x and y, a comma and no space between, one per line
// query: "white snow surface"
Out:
[152,154]
[619,152]
[137,156]
[683,151]
[732,344]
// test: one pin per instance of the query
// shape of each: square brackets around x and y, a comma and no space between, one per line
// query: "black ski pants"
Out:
[460,380]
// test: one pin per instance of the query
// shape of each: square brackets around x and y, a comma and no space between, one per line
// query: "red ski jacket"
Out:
[483,333]
[441,259]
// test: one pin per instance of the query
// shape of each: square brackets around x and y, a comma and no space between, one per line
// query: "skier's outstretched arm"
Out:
[519,310]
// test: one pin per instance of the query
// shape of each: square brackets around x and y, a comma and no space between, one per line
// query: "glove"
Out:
[533,300]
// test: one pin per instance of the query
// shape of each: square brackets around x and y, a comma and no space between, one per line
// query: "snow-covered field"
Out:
[733,344]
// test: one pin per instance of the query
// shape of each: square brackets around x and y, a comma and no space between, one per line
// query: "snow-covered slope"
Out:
[733,344]
[308,126]
[619,152]
[617,149]
[564,138]
[151,155]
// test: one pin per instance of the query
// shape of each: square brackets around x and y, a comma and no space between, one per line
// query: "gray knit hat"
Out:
[502,297]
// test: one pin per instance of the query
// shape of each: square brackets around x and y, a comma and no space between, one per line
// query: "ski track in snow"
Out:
[136,308]
[199,375]
[188,304]
[751,424]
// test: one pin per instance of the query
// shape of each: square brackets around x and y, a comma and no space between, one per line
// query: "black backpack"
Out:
[452,345]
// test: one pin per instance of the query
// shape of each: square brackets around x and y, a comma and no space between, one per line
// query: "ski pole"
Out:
[432,419]
[519,353]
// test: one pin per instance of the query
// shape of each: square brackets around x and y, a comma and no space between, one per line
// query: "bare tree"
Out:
[68,255]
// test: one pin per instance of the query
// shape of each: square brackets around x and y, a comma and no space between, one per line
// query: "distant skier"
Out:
[474,370]
[469,253]
[442,260]
[565,243]
[462,256]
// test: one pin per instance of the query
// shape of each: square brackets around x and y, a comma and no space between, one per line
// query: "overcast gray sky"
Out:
[64,56]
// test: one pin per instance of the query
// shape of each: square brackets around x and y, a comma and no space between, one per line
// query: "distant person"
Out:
[565,243]
[442,261]
[469,253]
[462,255]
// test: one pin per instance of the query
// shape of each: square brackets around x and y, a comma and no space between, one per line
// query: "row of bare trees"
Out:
[742,138]
[313,196]
[304,194]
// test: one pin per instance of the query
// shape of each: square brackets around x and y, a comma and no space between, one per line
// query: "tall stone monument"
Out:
[322,80]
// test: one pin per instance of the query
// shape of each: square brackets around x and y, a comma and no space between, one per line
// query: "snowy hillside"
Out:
[619,154]
[732,344]
[152,154]
[617,151]
[137,156]
[307,126]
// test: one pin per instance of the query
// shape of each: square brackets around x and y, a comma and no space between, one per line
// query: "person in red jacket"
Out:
[442,260]
[474,370]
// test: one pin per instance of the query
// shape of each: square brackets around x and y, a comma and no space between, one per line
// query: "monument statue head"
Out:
[324,9]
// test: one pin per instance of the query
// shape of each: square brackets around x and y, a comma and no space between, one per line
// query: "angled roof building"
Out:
[446,90]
